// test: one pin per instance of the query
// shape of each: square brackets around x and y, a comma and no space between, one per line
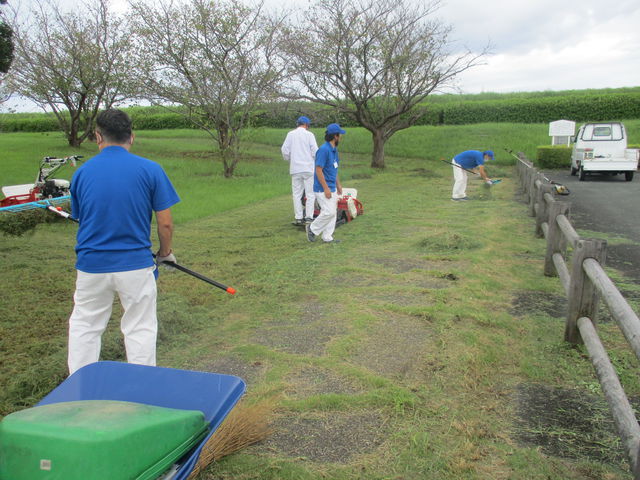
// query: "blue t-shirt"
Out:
[113,195]
[327,158]
[470,159]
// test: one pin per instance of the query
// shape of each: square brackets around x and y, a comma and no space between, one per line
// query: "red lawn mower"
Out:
[27,196]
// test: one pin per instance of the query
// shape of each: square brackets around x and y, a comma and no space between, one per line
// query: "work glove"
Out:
[169,258]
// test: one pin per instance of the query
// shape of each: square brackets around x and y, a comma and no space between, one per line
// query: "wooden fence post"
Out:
[533,176]
[583,295]
[524,180]
[542,213]
[556,241]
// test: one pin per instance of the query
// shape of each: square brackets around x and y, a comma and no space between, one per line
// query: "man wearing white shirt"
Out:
[299,149]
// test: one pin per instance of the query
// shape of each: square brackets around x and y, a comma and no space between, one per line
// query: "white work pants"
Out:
[459,181]
[325,223]
[302,183]
[93,300]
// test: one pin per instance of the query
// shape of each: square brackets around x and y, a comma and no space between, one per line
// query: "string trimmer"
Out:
[559,188]
[177,266]
[492,182]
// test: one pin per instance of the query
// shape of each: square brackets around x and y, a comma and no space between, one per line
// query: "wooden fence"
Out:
[585,284]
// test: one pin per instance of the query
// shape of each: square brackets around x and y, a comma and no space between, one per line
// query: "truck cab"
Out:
[602,148]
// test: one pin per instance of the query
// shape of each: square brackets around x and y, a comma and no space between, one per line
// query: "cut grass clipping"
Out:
[18,223]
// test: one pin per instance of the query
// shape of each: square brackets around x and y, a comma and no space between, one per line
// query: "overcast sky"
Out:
[548,44]
[536,45]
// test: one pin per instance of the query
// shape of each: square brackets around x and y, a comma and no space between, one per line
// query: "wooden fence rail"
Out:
[585,284]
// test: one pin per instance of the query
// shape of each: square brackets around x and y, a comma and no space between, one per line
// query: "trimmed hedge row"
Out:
[39,122]
[576,107]
[558,156]
[579,108]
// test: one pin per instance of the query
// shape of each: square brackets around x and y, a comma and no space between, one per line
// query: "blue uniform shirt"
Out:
[327,158]
[470,159]
[113,195]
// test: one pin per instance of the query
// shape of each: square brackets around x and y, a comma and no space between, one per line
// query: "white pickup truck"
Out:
[602,148]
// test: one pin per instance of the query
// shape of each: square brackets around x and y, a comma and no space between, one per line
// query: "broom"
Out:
[244,426]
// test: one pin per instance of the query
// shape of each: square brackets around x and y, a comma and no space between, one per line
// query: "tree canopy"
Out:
[71,62]
[375,61]
[218,59]
[6,44]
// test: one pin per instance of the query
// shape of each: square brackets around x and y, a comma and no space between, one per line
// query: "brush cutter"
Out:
[488,182]
[177,266]
[559,188]
[231,290]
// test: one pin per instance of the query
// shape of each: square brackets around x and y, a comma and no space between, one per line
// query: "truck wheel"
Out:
[582,175]
[628,176]
[574,171]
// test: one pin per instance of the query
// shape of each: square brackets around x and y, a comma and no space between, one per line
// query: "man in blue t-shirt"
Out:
[326,186]
[468,160]
[113,196]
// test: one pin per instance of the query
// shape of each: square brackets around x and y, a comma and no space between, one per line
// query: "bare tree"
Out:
[6,45]
[375,61]
[216,60]
[6,52]
[71,63]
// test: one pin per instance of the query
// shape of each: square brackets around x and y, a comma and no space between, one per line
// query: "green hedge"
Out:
[599,106]
[40,122]
[579,108]
[160,121]
[556,156]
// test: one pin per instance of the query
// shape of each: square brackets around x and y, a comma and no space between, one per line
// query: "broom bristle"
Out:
[244,426]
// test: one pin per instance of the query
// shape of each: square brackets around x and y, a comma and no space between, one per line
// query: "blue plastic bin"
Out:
[214,394]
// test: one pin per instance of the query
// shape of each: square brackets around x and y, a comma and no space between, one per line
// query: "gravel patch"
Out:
[395,347]
[334,438]
[311,381]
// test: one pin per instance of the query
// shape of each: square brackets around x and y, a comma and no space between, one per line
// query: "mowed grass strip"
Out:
[394,354]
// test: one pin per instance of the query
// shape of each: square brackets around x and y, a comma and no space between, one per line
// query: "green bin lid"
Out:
[96,440]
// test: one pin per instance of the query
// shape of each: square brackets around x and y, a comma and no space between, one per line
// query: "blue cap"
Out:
[335,128]
[304,121]
[489,153]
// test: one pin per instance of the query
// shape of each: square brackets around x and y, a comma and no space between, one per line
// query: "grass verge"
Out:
[398,353]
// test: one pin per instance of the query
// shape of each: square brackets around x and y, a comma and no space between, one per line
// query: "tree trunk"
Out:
[377,159]
[72,136]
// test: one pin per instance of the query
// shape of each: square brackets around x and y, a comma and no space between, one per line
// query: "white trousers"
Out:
[93,302]
[459,181]
[302,183]
[325,223]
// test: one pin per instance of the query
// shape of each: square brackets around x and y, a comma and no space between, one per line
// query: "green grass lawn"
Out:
[408,351]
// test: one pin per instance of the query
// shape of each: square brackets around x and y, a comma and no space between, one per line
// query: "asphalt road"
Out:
[610,205]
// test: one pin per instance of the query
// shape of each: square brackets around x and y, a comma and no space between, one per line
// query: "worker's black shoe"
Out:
[299,221]
[308,220]
[310,235]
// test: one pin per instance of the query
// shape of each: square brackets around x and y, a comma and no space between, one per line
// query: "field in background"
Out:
[427,344]
[188,157]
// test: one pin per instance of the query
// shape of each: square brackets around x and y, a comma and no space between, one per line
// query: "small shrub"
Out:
[556,156]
